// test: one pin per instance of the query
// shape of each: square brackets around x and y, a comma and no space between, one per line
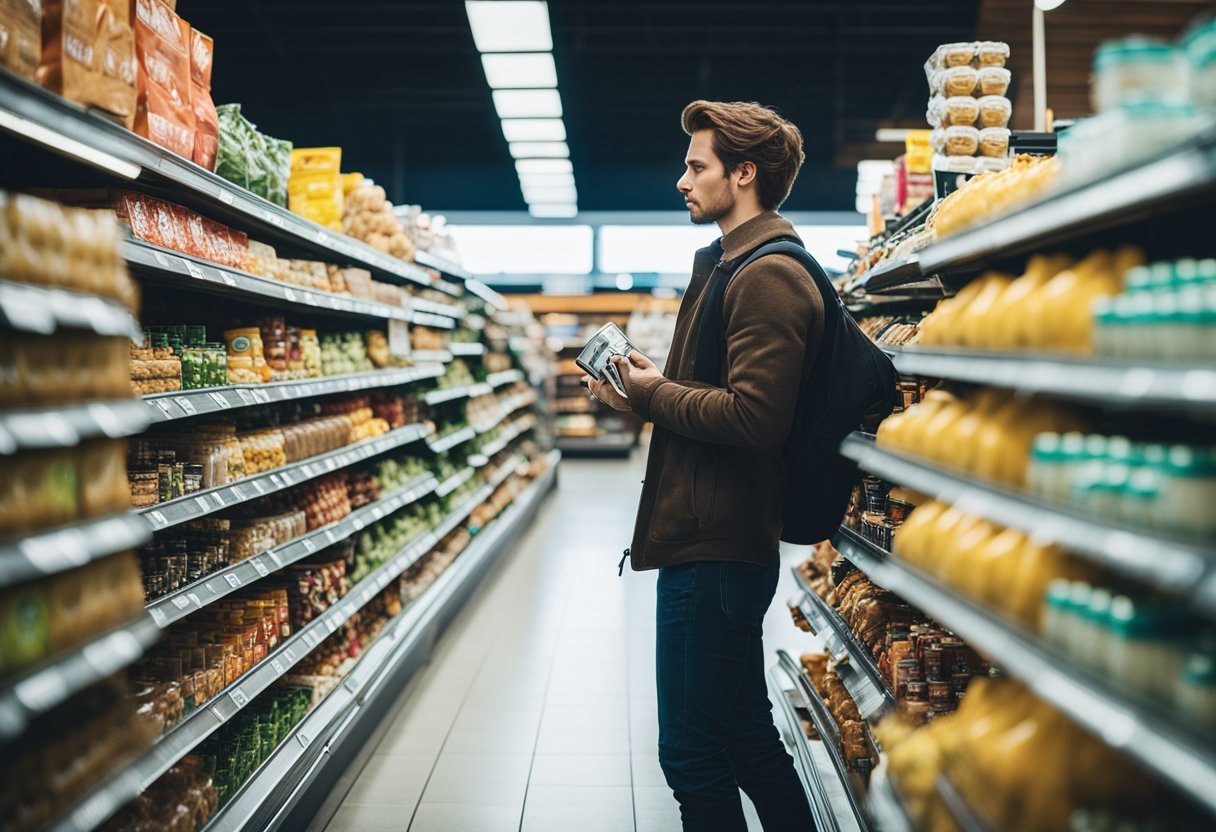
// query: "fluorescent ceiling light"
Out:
[540,195]
[539,150]
[874,168]
[553,209]
[891,134]
[509,25]
[526,167]
[534,129]
[520,70]
[546,180]
[1048,5]
[527,104]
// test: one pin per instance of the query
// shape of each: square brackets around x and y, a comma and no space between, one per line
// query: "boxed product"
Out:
[206,122]
[315,189]
[21,36]
[162,47]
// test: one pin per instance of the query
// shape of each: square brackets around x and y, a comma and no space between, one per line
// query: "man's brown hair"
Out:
[745,131]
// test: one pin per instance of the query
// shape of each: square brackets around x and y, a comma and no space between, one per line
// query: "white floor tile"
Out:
[580,770]
[464,817]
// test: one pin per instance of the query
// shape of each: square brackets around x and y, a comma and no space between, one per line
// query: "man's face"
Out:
[709,193]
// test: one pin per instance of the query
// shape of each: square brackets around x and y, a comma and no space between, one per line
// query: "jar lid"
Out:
[1072,444]
[1136,279]
[1098,608]
[1199,669]
[1135,49]
[1144,484]
[1058,594]
[1078,595]
[1185,461]
[1095,446]
[1119,449]
[1047,447]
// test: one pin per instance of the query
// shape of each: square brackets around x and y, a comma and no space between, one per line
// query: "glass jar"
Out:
[193,478]
[216,356]
[310,353]
[1047,475]
[1136,69]
[1189,491]
[193,371]
[1196,691]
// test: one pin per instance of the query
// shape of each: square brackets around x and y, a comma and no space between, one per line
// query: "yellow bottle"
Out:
[973,322]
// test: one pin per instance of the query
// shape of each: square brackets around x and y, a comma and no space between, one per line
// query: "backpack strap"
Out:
[711,329]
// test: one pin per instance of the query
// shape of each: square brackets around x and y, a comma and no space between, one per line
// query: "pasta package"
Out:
[206,121]
[162,47]
[21,36]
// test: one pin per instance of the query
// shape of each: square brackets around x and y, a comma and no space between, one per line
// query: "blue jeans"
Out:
[716,732]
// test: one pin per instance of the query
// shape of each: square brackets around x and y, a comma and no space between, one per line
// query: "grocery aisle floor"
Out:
[537,712]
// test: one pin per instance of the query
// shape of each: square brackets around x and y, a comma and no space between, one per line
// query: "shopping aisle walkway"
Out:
[537,713]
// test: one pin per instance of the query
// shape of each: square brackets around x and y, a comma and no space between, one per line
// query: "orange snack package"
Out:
[162,48]
[88,56]
[206,122]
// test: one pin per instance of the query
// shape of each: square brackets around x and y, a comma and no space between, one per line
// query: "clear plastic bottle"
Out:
[1055,617]
[1094,629]
[1072,639]
[1047,476]
[1189,491]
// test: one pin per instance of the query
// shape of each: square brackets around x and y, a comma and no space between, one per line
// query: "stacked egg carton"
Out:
[968,108]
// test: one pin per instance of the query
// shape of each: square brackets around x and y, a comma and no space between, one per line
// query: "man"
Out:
[710,513]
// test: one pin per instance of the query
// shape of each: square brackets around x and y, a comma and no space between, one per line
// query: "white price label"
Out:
[289,654]
[185,404]
[276,480]
[259,566]
[217,497]
[233,580]
[221,400]
[161,259]
[225,196]
[194,599]
[398,338]
[181,602]
[321,237]
[309,545]
[239,698]
[331,536]
[193,270]
[227,278]
[158,616]
[289,294]
[277,665]
[202,503]
[258,487]
[245,396]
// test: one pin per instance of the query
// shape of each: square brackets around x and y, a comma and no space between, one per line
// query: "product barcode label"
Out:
[227,278]
[185,404]
[225,196]
[217,497]
[193,270]
[289,295]
[158,616]
[289,654]
[161,259]
[309,545]
[277,665]
[181,602]
[260,567]
[233,580]
[239,698]
[202,503]
[194,599]
[221,400]
[245,396]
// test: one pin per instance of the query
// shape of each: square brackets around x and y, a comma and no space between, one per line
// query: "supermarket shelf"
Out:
[210,588]
[962,813]
[166,407]
[43,311]
[890,274]
[40,118]
[453,482]
[194,506]
[467,391]
[482,457]
[451,440]
[432,356]
[487,294]
[784,690]
[50,552]
[837,781]
[1122,383]
[65,426]
[460,348]
[288,790]
[609,444]
[440,264]
[442,310]
[52,682]
[1177,753]
[1170,183]
[1182,567]
[886,805]
[504,378]
[155,261]
[852,661]
[114,793]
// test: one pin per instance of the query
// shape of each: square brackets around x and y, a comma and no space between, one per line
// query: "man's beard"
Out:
[714,212]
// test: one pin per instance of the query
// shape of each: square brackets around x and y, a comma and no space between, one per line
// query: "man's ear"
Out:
[746,172]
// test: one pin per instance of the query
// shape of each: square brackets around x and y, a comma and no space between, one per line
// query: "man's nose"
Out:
[682,186]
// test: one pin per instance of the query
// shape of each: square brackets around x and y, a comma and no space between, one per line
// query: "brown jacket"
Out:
[715,476]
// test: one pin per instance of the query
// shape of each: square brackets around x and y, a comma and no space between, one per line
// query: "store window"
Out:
[524,249]
[823,241]
[661,249]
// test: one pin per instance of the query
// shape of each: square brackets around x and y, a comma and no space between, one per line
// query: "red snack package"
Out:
[68,35]
[198,241]
[219,243]
[115,63]
[134,208]
[206,122]
[162,48]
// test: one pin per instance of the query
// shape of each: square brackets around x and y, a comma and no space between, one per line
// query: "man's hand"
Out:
[636,371]
[606,393]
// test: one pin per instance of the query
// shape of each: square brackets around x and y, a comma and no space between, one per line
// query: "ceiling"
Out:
[399,86]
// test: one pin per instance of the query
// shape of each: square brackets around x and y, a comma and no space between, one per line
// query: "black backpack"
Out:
[852,379]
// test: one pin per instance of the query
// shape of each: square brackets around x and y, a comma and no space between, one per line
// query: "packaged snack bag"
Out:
[162,48]
[206,121]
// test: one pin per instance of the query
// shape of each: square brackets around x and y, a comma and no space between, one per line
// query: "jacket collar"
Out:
[754,233]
